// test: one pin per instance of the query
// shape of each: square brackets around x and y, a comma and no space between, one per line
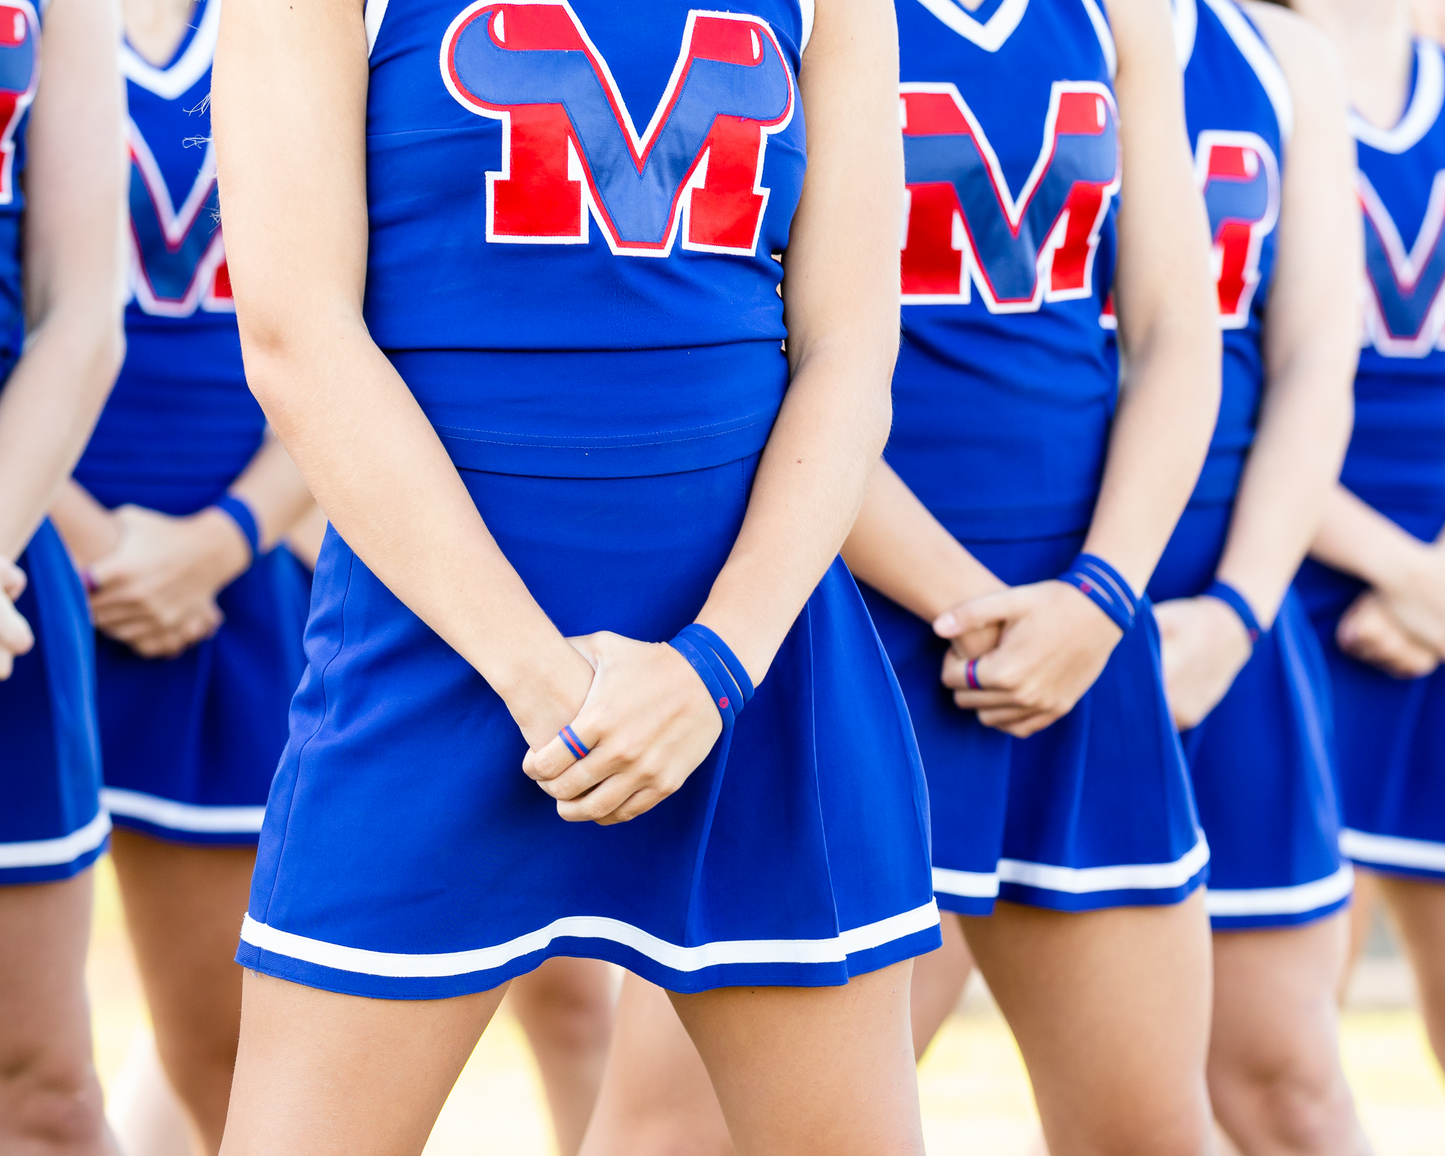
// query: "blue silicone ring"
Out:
[1105,587]
[1235,601]
[240,513]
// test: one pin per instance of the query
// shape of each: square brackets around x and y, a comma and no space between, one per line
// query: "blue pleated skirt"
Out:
[191,743]
[405,855]
[51,821]
[1095,811]
[1390,736]
[1262,762]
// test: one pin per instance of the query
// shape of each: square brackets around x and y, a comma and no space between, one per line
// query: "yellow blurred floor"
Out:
[975,1094]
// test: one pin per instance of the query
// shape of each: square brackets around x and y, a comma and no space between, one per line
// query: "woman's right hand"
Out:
[1369,632]
[16,637]
[648,722]
[1054,644]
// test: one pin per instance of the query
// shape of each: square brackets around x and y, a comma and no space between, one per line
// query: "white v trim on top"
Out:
[1423,111]
[1186,27]
[988,34]
[169,83]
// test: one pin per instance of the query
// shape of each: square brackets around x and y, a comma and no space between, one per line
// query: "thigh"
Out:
[1111,1012]
[938,982]
[807,1070]
[44,1015]
[184,904]
[324,1074]
[1274,1000]
[1418,906]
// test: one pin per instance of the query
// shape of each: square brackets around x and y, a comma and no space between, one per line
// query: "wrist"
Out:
[1239,608]
[227,546]
[545,692]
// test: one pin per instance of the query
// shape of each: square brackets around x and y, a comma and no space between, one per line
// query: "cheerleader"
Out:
[60,344]
[528,355]
[1245,677]
[1376,584]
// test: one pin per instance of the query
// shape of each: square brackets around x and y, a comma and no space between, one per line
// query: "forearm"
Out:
[87,527]
[806,495]
[1166,415]
[47,410]
[1292,469]
[274,490]
[379,470]
[1359,540]
[901,550]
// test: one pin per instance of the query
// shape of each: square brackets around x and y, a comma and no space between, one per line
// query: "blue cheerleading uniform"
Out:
[581,294]
[1261,762]
[1003,399]
[51,822]
[1390,733]
[190,743]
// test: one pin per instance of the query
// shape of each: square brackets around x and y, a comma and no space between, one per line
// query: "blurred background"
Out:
[975,1093]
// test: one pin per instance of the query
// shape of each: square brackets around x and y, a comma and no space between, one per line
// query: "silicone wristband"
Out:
[240,513]
[1105,587]
[1235,601]
[703,660]
[701,636]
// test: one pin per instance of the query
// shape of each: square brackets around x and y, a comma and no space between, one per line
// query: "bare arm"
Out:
[1311,329]
[72,262]
[1165,298]
[289,118]
[841,302]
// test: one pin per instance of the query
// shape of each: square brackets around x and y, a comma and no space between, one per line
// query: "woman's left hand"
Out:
[156,591]
[1205,645]
[1054,645]
[648,722]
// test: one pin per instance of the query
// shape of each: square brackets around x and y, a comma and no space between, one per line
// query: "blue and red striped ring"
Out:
[970,674]
[574,744]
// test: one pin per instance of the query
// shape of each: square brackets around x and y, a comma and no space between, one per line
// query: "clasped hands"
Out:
[1036,650]
[1400,627]
[16,637]
[155,588]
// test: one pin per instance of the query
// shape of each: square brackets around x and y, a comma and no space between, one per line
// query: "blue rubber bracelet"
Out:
[1235,601]
[701,636]
[1105,587]
[240,513]
[702,660]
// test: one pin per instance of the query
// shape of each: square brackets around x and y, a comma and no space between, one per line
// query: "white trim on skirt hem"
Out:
[1392,851]
[672,955]
[182,816]
[1075,880]
[1296,900]
[54,852]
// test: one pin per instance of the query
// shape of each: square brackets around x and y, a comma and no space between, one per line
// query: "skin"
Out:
[1403,614]
[1274,1071]
[1144,973]
[1131,983]
[50,1101]
[319,1072]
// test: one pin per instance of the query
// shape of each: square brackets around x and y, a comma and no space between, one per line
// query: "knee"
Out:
[49,1102]
[566,1016]
[1301,1104]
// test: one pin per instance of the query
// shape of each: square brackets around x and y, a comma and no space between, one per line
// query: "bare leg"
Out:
[938,982]
[50,1101]
[183,908]
[145,1112]
[656,1097]
[1363,904]
[800,1071]
[1111,1011]
[1418,906]
[1274,1058]
[321,1074]
[565,1007]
